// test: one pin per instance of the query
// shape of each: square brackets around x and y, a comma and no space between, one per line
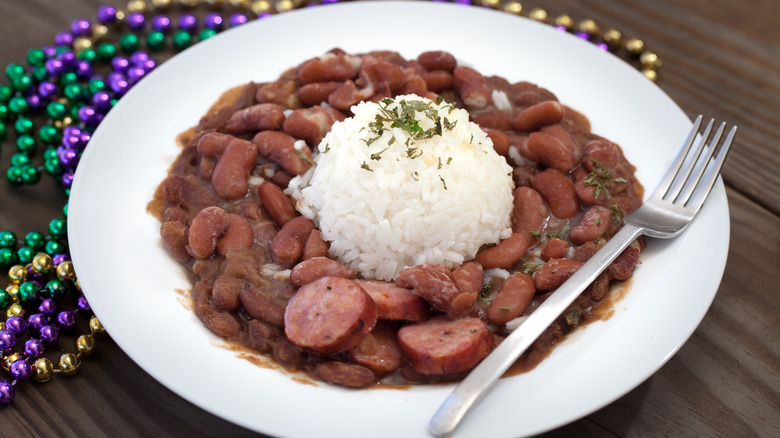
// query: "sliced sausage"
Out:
[329,315]
[395,302]
[444,346]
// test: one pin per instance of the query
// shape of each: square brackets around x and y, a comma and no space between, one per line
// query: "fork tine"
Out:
[679,182]
[668,178]
[692,180]
[712,176]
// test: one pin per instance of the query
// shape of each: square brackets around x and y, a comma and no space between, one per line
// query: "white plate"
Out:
[131,283]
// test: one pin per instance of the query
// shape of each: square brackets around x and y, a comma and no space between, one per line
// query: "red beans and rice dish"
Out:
[262,273]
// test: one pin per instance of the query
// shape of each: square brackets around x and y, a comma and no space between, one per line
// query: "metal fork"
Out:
[668,211]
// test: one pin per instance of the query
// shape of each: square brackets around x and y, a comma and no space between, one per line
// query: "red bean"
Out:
[438,80]
[413,84]
[522,175]
[278,205]
[261,335]
[315,268]
[225,293]
[550,151]
[538,115]
[442,346]
[213,144]
[206,228]
[512,299]
[314,246]
[596,222]
[437,60]
[330,67]
[529,213]
[345,374]
[279,147]
[500,141]
[471,87]
[330,315]
[174,237]
[378,75]
[553,273]
[311,124]
[230,179]
[498,120]
[287,246]
[558,191]
[316,93]
[238,235]
[555,249]
[259,306]
[605,153]
[505,254]
[281,92]
[622,268]
[255,118]
[379,351]
[347,95]
[223,324]
[587,192]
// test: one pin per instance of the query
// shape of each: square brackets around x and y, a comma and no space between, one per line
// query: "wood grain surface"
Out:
[720,58]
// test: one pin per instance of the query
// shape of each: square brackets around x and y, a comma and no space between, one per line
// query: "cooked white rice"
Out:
[382,210]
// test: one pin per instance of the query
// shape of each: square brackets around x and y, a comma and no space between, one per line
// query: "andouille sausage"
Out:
[329,315]
[394,302]
[444,346]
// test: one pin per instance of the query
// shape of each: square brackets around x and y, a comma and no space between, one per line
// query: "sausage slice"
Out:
[444,346]
[329,315]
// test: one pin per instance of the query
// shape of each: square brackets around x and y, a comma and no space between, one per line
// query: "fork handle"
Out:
[482,378]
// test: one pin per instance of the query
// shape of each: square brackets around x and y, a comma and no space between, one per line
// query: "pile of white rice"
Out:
[396,203]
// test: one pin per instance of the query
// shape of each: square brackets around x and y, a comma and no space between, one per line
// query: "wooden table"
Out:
[720,58]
